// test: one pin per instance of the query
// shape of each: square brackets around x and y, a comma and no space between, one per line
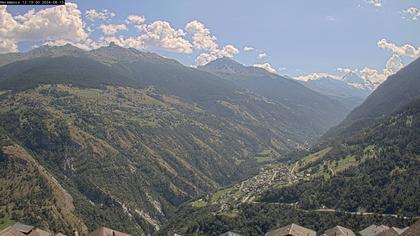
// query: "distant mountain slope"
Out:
[338,89]
[289,93]
[397,91]
[79,71]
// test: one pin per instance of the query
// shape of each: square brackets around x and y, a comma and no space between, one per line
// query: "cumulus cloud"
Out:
[61,25]
[371,76]
[392,66]
[112,29]
[160,34]
[226,51]
[412,12]
[266,66]
[404,50]
[248,49]
[137,20]
[60,22]
[262,55]
[93,14]
[202,38]
[376,3]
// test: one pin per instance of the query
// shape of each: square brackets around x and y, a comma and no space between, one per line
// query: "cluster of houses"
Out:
[19,229]
[373,230]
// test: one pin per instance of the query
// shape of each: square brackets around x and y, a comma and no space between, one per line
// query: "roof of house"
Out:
[373,230]
[10,231]
[339,231]
[413,230]
[388,232]
[292,229]
[103,231]
[20,229]
[400,231]
[230,233]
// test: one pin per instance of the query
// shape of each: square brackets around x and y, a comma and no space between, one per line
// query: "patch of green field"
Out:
[88,93]
[311,158]
[5,222]
[199,203]
[345,163]
[264,156]
[217,196]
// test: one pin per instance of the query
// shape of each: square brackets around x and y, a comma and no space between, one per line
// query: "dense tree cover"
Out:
[129,156]
[387,180]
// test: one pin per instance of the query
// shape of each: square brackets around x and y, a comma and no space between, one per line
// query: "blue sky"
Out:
[298,37]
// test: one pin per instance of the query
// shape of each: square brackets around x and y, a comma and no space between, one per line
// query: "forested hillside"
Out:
[368,175]
[127,136]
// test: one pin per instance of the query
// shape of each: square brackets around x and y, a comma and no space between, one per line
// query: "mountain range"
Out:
[363,171]
[119,137]
[350,89]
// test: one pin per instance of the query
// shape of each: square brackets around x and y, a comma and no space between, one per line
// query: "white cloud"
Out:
[266,66]
[248,49]
[160,34]
[316,76]
[205,58]
[404,50]
[7,45]
[226,51]
[93,14]
[412,12]
[112,29]
[392,66]
[137,20]
[60,22]
[202,38]
[61,25]
[262,55]
[376,3]
[344,70]
[330,18]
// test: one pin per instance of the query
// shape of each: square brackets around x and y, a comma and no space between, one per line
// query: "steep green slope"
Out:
[128,156]
[79,71]
[122,148]
[375,170]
